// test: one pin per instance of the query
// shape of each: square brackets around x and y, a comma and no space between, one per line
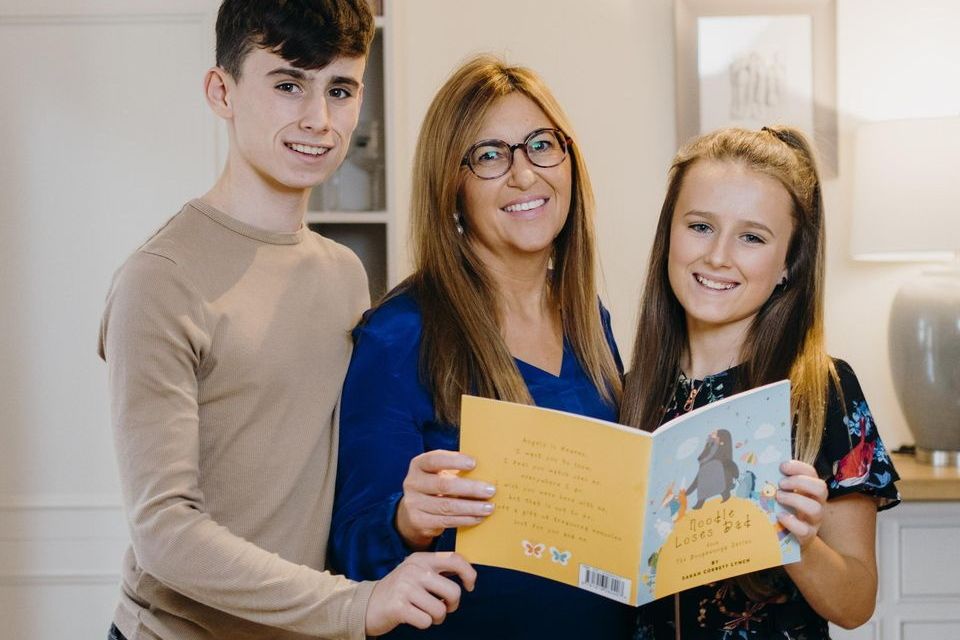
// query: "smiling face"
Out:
[519,214]
[729,237]
[290,127]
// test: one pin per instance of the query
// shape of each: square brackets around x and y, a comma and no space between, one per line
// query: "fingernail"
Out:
[488,508]
[489,489]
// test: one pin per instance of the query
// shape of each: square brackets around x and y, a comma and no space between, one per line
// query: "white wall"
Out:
[895,59]
[610,64]
[101,143]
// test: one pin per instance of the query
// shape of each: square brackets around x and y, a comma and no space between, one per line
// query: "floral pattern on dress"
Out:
[692,393]
[852,458]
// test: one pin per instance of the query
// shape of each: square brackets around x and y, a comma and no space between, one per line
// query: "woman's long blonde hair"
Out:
[463,350]
[786,338]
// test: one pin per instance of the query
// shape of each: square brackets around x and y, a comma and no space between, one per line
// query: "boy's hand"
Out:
[416,592]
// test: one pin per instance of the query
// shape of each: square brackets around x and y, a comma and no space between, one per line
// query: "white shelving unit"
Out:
[354,206]
[348,217]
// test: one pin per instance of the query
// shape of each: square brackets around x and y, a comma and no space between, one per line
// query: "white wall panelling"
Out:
[102,144]
[49,610]
[105,135]
[59,566]
[61,543]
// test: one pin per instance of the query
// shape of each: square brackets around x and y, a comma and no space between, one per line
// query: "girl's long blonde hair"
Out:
[786,338]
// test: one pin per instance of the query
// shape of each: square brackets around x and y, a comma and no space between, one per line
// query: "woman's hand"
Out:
[435,497]
[804,492]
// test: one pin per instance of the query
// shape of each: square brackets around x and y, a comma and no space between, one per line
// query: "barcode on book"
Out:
[606,584]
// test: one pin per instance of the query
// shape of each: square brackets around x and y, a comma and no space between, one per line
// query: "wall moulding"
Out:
[61,540]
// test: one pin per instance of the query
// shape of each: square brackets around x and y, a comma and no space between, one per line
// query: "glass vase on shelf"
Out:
[358,184]
[366,155]
[326,196]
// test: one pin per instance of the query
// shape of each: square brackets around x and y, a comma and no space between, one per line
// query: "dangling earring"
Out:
[457,224]
[782,285]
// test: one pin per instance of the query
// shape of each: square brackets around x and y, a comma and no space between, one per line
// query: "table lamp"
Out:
[906,208]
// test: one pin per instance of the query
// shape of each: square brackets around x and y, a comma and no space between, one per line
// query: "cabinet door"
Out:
[946,630]
[929,565]
[919,570]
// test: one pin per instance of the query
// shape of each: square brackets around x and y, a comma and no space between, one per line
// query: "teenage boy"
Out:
[227,337]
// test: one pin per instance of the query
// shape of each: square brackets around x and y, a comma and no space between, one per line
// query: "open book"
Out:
[631,515]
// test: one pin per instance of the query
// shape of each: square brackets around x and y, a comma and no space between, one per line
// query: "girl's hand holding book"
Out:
[806,494]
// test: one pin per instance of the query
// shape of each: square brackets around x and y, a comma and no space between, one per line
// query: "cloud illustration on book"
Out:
[687,448]
[764,431]
[769,455]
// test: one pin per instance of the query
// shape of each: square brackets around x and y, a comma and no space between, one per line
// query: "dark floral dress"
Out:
[852,459]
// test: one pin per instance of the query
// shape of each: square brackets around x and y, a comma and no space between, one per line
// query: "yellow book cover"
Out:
[627,514]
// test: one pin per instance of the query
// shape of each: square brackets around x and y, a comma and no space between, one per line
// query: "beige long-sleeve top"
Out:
[226,347]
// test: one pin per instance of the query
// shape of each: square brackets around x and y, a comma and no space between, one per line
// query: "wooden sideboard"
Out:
[924,483]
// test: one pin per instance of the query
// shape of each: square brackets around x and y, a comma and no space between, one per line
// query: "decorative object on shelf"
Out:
[751,63]
[351,206]
[358,185]
[360,177]
[906,208]
[326,197]
[367,154]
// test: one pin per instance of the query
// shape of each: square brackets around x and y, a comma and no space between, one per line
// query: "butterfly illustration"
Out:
[531,549]
[560,557]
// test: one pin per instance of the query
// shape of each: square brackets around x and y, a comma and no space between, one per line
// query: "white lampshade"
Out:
[906,190]
[906,206]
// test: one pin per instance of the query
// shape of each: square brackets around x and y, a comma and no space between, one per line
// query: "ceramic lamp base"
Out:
[938,458]
[924,342]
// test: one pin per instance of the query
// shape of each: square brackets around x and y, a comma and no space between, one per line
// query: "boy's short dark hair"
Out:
[307,33]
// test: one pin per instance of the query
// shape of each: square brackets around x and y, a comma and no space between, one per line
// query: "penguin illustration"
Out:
[717,469]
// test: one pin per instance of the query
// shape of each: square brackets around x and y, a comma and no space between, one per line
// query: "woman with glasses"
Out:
[502,304]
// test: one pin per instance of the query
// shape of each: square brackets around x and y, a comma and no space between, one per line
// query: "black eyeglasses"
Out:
[489,159]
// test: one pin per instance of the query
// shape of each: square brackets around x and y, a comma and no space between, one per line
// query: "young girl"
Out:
[734,300]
